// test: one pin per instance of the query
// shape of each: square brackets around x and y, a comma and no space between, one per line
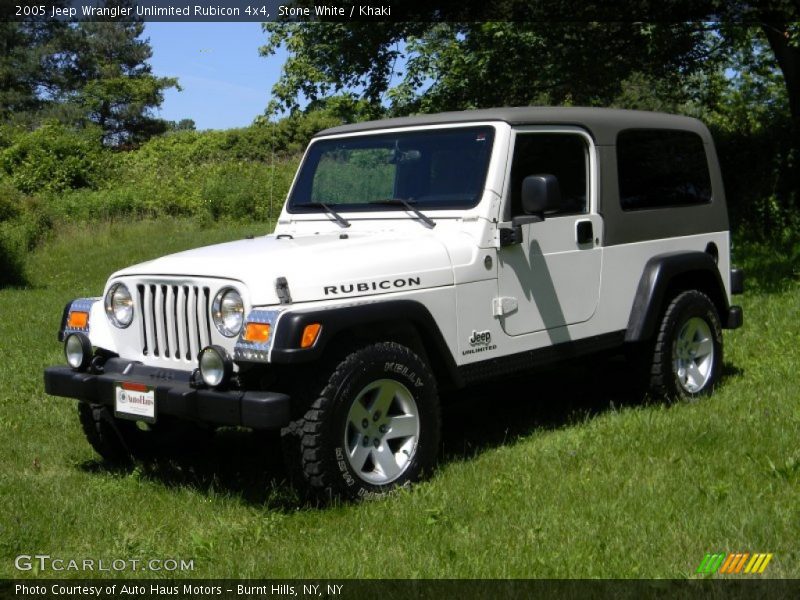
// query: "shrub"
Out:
[54,158]
[11,201]
[240,190]
[12,255]
[761,173]
[246,190]
[23,223]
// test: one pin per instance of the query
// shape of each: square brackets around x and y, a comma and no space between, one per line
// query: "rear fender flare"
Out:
[654,285]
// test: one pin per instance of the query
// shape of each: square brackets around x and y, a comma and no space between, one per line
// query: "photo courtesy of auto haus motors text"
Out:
[182,590]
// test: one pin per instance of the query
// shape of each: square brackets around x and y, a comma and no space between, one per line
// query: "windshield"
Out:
[434,169]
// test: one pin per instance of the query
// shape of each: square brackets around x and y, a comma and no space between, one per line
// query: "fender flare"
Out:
[335,320]
[659,272]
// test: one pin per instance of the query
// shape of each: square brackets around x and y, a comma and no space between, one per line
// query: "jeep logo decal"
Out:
[479,341]
[480,338]
[366,286]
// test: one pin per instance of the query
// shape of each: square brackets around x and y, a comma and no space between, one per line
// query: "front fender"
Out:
[98,329]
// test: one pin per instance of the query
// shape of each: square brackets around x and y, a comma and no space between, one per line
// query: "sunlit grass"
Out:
[558,474]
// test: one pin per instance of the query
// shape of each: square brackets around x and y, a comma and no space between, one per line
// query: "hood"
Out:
[316,267]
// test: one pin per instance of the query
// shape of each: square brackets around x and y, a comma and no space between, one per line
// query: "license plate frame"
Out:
[135,401]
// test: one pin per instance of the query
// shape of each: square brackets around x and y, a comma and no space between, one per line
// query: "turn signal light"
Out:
[78,320]
[310,335]
[256,332]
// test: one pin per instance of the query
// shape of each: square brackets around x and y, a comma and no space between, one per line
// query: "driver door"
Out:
[552,277]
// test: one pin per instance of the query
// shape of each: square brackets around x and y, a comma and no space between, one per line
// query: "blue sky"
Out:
[225,82]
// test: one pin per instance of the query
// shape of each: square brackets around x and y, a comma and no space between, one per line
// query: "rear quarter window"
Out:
[660,168]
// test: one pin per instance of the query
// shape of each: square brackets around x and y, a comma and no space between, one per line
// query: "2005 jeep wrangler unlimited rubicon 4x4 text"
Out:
[414,254]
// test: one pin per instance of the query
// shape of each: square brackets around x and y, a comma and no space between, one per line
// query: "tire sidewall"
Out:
[374,363]
[693,304]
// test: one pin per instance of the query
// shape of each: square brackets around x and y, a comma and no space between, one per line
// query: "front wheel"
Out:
[374,427]
[687,358]
[119,441]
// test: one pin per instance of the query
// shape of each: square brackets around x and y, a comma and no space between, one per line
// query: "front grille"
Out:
[175,323]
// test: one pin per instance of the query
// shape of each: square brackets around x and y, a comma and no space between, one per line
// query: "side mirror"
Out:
[540,193]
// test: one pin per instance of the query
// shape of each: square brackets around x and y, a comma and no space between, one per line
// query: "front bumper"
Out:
[174,394]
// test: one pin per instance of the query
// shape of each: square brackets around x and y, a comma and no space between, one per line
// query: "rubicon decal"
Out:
[367,286]
[735,563]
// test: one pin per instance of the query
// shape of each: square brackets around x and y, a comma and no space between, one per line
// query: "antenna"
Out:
[271,169]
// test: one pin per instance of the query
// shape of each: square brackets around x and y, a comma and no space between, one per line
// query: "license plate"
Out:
[135,401]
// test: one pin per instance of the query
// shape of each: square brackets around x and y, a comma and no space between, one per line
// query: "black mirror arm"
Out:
[527,219]
[511,232]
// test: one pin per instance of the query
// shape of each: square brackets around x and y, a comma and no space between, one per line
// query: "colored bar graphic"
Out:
[729,562]
[755,562]
[734,563]
[765,563]
[740,564]
[711,563]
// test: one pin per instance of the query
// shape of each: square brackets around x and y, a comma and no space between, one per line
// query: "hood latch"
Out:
[282,290]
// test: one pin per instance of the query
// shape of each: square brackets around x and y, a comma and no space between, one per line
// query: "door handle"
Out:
[584,233]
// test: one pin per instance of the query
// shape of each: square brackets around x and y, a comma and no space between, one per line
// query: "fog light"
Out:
[78,351]
[216,366]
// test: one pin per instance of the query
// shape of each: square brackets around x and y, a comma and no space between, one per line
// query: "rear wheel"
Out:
[373,428]
[687,357]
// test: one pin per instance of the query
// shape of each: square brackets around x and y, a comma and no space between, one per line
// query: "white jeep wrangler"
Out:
[411,255]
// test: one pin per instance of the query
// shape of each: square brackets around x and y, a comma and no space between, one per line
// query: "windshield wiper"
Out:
[407,204]
[336,216]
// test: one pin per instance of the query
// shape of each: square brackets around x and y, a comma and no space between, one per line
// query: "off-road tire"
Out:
[325,430]
[666,381]
[113,439]
[119,441]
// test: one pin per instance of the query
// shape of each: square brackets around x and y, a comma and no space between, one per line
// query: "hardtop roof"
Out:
[602,123]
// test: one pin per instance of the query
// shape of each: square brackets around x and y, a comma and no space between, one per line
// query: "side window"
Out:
[661,168]
[564,155]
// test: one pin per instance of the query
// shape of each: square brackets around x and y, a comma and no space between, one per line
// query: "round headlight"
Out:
[227,311]
[119,305]
[215,366]
[78,351]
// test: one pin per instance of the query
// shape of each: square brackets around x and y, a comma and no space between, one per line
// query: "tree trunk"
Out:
[788,58]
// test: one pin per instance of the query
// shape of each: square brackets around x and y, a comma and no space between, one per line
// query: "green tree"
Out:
[467,65]
[30,63]
[80,73]
[548,51]
[735,64]
[182,125]
[779,24]
[111,82]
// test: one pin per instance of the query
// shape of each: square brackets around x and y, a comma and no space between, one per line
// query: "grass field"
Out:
[559,474]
